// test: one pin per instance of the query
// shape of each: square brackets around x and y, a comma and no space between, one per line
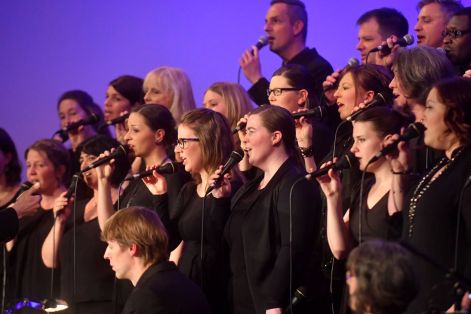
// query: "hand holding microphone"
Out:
[388,49]
[156,183]
[28,202]
[250,61]
[234,159]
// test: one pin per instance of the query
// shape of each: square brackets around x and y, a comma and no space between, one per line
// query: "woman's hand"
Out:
[304,131]
[121,129]
[156,183]
[329,86]
[330,182]
[61,208]
[105,171]
[224,187]
[399,159]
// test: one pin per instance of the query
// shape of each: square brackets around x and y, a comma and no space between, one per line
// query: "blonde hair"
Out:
[142,227]
[177,84]
[235,97]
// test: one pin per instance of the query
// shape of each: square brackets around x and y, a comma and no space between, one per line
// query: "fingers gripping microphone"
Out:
[262,42]
[91,119]
[121,150]
[117,120]
[317,112]
[347,161]
[167,168]
[352,62]
[413,130]
[234,159]
[378,100]
[403,42]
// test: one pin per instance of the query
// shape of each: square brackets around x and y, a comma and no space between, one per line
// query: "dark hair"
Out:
[449,7]
[276,118]
[296,11]
[299,77]
[464,12]
[85,102]
[140,226]
[418,68]
[385,120]
[12,170]
[372,77]
[390,21]
[96,145]
[130,87]
[214,134]
[385,277]
[455,94]
[159,117]
[56,153]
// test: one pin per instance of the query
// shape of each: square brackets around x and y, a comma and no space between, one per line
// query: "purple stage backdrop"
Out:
[48,47]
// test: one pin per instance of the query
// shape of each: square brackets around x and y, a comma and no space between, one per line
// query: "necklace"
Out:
[424,185]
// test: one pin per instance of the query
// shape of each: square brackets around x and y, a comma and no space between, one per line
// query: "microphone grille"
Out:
[409,39]
[352,62]
[263,40]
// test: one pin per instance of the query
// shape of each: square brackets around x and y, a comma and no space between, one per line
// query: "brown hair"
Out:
[455,94]
[142,227]
[371,77]
[214,134]
[385,120]
[56,153]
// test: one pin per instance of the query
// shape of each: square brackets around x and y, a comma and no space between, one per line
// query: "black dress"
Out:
[376,223]
[430,226]
[211,272]
[94,284]
[28,277]
[258,233]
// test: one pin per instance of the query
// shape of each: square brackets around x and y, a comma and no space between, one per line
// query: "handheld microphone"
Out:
[91,119]
[378,100]
[234,159]
[121,150]
[238,128]
[299,295]
[262,42]
[317,112]
[347,161]
[117,120]
[413,130]
[403,42]
[352,62]
[167,168]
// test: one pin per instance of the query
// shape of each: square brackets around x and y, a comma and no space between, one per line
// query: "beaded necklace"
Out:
[425,183]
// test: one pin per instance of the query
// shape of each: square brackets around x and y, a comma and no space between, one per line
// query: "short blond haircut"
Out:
[142,227]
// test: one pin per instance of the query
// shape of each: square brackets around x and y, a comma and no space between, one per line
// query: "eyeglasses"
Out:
[181,141]
[454,33]
[279,91]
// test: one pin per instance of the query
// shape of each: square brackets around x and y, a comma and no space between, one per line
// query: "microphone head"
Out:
[167,168]
[378,100]
[413,130]
[347,161]
[352,62]
[409,39]
[237,155]
[262,42]
[93,118]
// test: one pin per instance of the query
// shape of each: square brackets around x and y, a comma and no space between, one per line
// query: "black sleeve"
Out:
[305,229]
[9,224]
[144,302]
[258,92]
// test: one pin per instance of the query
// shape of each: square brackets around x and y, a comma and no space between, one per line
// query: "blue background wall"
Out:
[48,47]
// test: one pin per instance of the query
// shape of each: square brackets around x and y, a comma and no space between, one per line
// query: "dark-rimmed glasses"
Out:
[181,141]
[454,33]
[279,91]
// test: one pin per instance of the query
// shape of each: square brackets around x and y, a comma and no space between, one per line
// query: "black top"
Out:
[375,222]
[434,232]
[28,276]
[137,194]
[9,224]
[94,276]
[213,276]
[163,289]
[315,64]
[264,243]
